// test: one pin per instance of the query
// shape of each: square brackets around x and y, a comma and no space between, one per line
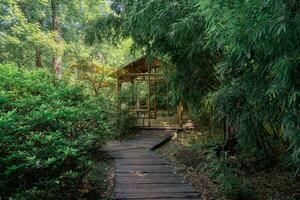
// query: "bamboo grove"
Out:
[235,62]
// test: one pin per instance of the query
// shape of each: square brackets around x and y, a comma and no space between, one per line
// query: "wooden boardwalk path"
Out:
[143,174]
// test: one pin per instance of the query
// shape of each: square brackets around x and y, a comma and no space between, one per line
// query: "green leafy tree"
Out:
[22,38]
[94,75]
[252,45]
[46,33]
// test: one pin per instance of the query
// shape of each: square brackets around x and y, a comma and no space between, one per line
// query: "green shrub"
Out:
[237,188]
[124,120]
[220,169]
[100,185]
[47,130]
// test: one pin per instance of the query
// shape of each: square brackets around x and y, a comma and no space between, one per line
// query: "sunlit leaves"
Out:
[96,76]
[21,36]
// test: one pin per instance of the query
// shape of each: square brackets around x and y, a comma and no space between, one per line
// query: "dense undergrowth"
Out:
[237,177]
[244,177]
[224,170]
[49,131]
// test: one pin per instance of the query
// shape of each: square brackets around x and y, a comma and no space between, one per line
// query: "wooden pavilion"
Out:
[143,70]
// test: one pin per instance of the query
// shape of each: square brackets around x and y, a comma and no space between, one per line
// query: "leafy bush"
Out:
[47,130]
[235,187]
[100,182]
[124,120]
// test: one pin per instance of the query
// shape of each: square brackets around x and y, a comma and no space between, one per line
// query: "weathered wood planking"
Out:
[156,195]
[142,174]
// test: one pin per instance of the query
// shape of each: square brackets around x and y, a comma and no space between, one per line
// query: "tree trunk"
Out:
[57,62]
[38,59]
[38,52]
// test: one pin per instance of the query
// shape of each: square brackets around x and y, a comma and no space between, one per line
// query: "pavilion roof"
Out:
[131,70]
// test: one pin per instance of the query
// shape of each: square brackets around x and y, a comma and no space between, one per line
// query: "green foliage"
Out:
[94,75]
[117,55]
[166,30]
[21,33]
[233,185]
[205,114]
[26,32]
[244,54]
[226,171]
[48,130]
[260,43]
[98,178]
[124,121]
[237,189]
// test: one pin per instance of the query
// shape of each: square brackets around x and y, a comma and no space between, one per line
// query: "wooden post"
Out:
[132,92]
[180,114]
[155,109]
[119,85]
[149,94]
[167,87]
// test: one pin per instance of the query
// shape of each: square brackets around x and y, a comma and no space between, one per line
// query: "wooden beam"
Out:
[157,80]
[142,74]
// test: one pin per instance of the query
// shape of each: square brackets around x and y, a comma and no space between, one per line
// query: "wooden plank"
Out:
[144,180]
[149,174]
[143,160]
[143,144]
[162,142]
[146,139]
[155,186]
[143,174]
[156,195]
[123,148]
[145,168]
[136,153]
[136,156]
[175,198]
[136,150]
[150,189]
